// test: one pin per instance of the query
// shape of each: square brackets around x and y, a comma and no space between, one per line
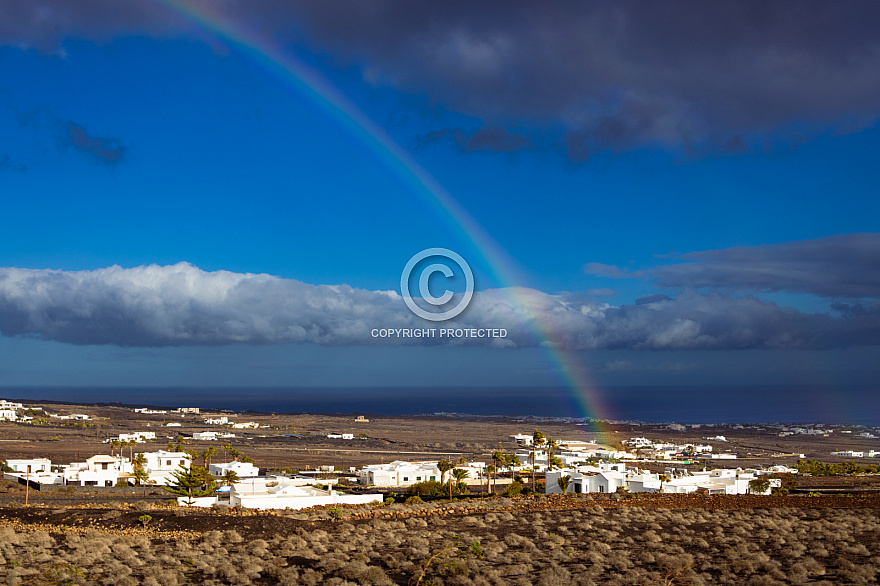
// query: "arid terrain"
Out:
[826,531]
[539,540]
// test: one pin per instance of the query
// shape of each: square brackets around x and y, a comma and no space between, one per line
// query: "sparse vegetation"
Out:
[580,543]
[843,469]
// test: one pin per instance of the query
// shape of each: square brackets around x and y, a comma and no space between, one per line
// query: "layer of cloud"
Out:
[108,151]
[183,305]
[588,76]
[845,266]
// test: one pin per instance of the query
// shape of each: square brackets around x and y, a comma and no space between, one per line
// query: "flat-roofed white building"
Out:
[279,492]
[162,464]
[398,473]
[521,439]
[242,469]
[100,470]
[604,480]
[211,435]
[30,465]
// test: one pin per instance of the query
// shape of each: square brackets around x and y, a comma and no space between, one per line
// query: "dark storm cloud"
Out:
[845,266]
[105,150]
[587,76]
[45,24]
[614,76]
[488,138]
[182,305]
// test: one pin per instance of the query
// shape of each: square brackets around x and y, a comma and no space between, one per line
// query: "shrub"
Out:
[513,489]
[428,488]
[415,499]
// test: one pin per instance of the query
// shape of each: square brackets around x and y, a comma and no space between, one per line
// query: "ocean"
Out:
[718,404]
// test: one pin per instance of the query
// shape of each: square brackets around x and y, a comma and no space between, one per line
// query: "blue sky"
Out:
[687,197]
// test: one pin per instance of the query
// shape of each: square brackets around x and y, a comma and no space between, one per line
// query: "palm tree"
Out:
[459,474]
[227,447]
[114,444]
[551,445]
[498,459]
[140,475]
[206,455]
[564,482]
[537,441]
[513,461]
[235,454]
[490,469]
[443,466]
[663,478]
[229,477]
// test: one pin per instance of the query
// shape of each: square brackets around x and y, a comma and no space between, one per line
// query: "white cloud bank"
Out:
[183,305]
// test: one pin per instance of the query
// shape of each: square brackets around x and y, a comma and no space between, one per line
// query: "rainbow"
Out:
[309,83]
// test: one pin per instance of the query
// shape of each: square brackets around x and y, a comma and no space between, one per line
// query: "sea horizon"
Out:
[650,404]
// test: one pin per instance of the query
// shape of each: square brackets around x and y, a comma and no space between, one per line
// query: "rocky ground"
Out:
[663,539]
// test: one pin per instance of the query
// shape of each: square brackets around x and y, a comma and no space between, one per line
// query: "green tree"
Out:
[551,445]
[229,477]
[759,485]
[443,466]
[140,475]
[459,474]
[564,482]
[207,455]
[663,478]
[192,482]
[538,440]
[498,459]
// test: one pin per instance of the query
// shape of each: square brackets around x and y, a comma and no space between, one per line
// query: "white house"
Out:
[100,470]
[31,465]
[160,466]
[607,479]
[849,454]
[398,473]
[345,436]
[246,425]
[242,469]
[521,439]
[211,435]
[7,414]
[279,492]
[138,437]
[223,420]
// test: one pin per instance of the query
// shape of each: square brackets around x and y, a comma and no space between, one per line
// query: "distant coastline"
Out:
[720,404]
